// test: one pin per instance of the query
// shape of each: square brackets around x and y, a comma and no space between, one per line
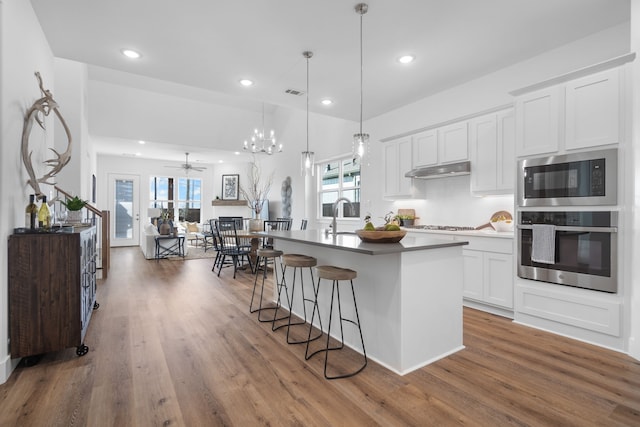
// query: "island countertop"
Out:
[352,243]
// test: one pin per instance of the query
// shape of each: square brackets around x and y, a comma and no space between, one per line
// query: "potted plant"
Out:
[256,193]
[406,220]
[74,206]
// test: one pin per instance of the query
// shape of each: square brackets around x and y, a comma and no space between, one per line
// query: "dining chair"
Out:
[286,219]
[230,246]
[211,238]
[271,225]
[303,224]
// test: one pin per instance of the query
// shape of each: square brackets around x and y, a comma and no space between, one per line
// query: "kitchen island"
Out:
[409,293]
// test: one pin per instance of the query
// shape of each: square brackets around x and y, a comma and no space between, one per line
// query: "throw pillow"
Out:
[192,227]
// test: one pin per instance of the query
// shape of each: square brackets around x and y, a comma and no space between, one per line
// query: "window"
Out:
[186,197]
[339,178]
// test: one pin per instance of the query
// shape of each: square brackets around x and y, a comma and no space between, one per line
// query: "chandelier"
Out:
[307,160]
[260,142]
[360,139]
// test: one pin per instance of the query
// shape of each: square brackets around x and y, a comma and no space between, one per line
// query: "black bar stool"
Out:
[299,262]
[264,254]
[336,274]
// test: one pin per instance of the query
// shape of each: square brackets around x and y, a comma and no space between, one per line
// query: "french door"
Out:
[124,202]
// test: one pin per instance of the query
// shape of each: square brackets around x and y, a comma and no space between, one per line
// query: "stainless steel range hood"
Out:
[440,171]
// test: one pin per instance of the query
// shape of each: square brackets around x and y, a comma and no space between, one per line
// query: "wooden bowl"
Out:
[381,236]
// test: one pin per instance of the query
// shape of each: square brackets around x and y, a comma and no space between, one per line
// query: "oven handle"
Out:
[572,228]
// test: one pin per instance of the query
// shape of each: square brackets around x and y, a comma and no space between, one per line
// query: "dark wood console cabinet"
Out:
[52,291]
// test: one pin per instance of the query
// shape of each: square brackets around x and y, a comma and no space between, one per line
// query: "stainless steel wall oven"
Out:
[583,250]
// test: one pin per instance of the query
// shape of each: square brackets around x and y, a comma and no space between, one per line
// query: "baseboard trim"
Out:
[6,368]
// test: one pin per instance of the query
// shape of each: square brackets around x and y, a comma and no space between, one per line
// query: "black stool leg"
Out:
[304,306]
[316,289]
[280,284]
[336,290]
[260,308]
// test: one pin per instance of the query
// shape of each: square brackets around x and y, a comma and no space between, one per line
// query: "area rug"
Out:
[194,252]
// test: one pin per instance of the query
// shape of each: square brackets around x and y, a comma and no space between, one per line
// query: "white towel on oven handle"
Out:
[543,244]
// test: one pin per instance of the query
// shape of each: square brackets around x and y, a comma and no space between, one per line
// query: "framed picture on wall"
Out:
[230,187]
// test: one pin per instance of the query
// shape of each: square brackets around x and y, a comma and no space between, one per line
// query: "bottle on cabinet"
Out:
[44,216]
[31,214]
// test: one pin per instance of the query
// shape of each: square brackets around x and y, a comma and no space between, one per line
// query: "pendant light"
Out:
[360,139]
[307,159]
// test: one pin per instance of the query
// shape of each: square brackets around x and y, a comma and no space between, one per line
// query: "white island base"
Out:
[409,302]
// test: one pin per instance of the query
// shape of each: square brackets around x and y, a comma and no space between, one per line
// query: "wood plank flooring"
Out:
[174,345]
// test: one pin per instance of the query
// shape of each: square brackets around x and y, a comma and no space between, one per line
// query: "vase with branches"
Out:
[256,192]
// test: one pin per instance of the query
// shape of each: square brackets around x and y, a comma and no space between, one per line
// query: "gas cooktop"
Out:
[441,227]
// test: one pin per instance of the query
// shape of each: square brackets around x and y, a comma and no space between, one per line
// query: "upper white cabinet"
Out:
[453,143]
[397,162]
[425,148]
[593,110]
[538,122]
[584,110]
[446,144]
[492,153]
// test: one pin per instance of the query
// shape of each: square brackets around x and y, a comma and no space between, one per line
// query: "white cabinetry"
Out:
[453,143]
[425,148]
[446,144]
[397,162]
[488,273]
[538,122]
[578,113]
[593,110]
[492,147]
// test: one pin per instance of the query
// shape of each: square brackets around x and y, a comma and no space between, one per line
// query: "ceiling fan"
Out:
[186,166]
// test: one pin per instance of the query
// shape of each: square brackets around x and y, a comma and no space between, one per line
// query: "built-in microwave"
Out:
[578,179]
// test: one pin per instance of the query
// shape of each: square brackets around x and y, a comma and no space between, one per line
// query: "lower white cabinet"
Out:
[489,271]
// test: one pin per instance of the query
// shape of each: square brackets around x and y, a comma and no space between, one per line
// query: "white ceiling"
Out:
[209,45]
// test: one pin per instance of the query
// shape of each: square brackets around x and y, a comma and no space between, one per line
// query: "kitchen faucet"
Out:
[335,213]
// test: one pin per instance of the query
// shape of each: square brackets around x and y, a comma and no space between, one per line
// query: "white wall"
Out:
[71,94]
[634,184]
[18,90]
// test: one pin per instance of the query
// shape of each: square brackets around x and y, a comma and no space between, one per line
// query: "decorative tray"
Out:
[380,236]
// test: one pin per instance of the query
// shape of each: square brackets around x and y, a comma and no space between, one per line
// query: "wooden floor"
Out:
[174,345]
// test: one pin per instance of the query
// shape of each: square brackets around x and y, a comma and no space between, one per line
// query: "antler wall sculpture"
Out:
[40,109]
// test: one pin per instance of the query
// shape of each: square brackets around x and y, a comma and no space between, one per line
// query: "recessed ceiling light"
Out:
[141,142]
[326,102]
[406,59]
[138,154]
[246,82]
[237,153]
[129,53]
[220,161]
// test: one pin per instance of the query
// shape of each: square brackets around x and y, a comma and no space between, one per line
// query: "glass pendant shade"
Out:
[360,144]
[307,163]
